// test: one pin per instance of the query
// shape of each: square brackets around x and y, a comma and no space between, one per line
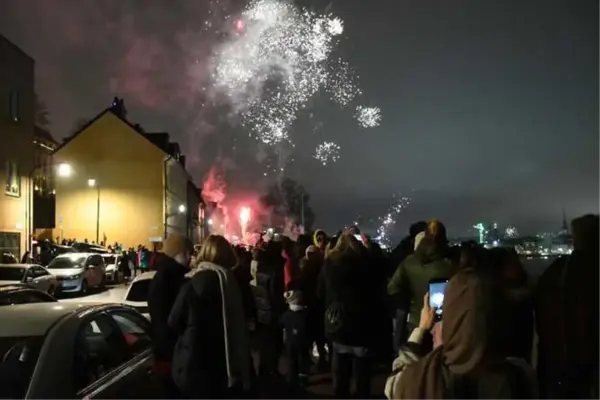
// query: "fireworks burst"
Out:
[511,232]
[327,152]
[368,117]
[389,220]
[276,60]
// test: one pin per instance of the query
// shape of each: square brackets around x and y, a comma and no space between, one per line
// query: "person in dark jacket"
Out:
[270,304]
[172,265]
[297,340]
[566,316]
[430,261]
[212,355]
[349,292]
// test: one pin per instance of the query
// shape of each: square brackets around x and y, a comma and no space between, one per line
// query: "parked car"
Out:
[77,272]
[104,352]
[113,275]
[33,275]
[137,292]
[88,248]
[11,295]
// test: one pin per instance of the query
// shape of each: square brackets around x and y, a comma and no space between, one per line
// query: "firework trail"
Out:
[388,221]
[276,60]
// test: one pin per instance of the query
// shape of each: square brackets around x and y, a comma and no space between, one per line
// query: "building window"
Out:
[14,109]
[10,244]
[13,180]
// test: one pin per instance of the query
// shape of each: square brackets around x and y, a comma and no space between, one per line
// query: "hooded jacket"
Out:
[317,233]
[410,282]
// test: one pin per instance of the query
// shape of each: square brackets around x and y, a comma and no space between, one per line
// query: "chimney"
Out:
[118,107]
[182,161]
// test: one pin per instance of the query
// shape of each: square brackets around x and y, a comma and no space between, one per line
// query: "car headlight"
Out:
[75,277]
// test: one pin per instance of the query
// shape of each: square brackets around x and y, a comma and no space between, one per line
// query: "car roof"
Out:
[19,265]
[34,319]
[144,276]
[75,254]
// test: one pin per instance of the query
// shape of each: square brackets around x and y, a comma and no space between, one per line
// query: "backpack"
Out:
[262,297]
[334,318]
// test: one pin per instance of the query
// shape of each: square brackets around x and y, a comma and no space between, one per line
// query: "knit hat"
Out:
[294,298]
[175,244]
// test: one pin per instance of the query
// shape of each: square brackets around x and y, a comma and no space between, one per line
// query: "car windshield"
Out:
[11,273]
[108,260]
[18,357]
[66,262]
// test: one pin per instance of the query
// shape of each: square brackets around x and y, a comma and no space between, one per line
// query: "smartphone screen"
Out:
[358,237]
[436,296]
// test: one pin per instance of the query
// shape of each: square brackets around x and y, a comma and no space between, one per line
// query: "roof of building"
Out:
[14,46]
[41,133]
[34,319]
[160,140]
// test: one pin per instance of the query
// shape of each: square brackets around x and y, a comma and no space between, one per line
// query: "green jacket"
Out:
[411,279]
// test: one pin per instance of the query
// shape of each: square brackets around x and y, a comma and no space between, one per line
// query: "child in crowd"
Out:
[297,342]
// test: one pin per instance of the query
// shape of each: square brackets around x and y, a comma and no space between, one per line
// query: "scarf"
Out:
[471,337]
[237,349]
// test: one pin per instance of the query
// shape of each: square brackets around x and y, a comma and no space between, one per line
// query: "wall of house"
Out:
[16,152]
[176,196]
[128,171]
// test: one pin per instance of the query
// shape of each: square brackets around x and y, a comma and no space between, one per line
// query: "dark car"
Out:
[104,352]
[88,248]
[23,294]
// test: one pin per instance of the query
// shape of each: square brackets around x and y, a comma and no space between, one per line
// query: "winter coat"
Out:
[410,282]
[347,280]
[169,278]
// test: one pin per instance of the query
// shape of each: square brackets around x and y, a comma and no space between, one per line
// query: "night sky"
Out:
[490,108]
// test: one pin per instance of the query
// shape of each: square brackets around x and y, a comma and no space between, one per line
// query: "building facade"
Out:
[117,183]
[17,99]
[43,180]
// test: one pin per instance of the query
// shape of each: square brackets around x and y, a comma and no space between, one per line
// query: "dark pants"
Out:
[348,366]
[270,343]
[298,359]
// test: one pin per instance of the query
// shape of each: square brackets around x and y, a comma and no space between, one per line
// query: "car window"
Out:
[25,297]
[96,260]
[99,349]
[67,262]
[135,329]
[39,271]
[18,357]
[11,273]
[138,291]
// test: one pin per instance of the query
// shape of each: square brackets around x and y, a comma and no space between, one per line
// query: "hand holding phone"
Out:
[437,287]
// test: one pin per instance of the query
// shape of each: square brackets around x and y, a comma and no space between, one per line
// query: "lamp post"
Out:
[92,183]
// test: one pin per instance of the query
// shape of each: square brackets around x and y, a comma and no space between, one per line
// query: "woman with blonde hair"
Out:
[349,294]
[212,355]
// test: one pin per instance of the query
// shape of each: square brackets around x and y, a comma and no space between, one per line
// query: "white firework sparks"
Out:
[368,117]
[277,59]
[327,152]
[389,220]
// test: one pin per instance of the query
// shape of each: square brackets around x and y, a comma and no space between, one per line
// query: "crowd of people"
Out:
[223,332]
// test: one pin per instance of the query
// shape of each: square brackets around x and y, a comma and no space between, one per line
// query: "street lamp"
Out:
[181,209]
[92,183]
[64,170]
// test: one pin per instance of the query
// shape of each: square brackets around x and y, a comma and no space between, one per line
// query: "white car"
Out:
[111,261]
[137,292]
[77,272]
[32,275]
[93,350]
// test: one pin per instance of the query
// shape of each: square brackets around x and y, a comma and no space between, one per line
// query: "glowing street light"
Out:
[64,170]
[181,208]
[91,182]
[210,221]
